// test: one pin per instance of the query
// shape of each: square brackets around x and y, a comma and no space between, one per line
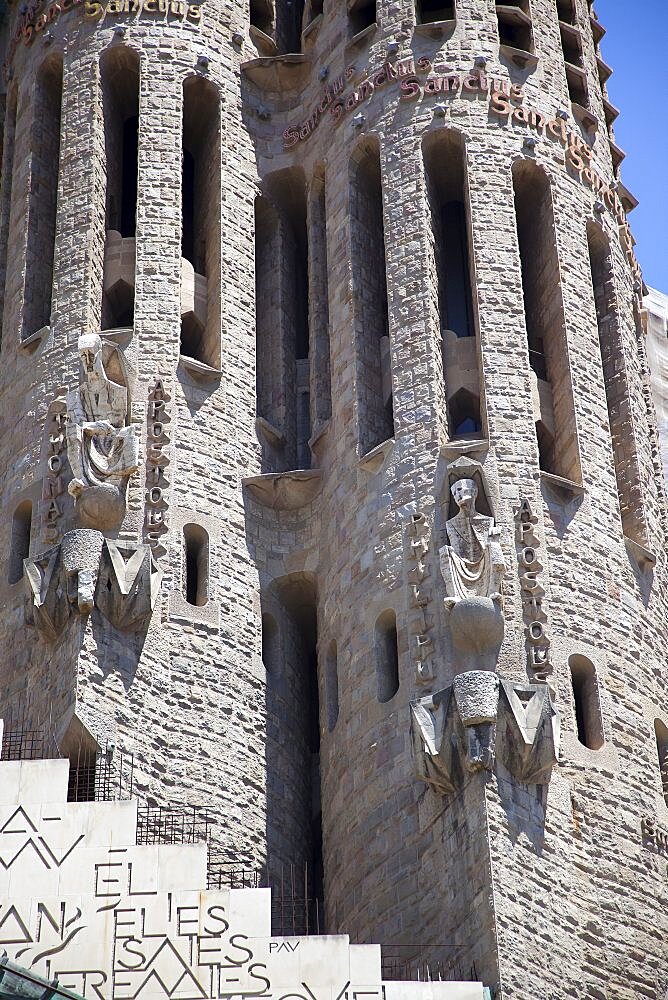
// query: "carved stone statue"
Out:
[473,563]
[103,452]
[472,567]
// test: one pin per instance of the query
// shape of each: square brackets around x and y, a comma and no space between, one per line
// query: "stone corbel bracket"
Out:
[480,720]
[86,571]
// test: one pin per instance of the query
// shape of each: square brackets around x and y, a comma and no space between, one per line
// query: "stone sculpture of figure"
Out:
[472,566]
[473,563]
[103,452]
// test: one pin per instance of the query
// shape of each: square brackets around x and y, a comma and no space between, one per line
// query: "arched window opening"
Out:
[444,155]
[370,308]
[271,644]
[361,15]
[332,685]
[20,543]
[464,414]
[119,70]
[6,197]
[627,470]
[428,11]
[293,753]
[588,718]
[43,196]
[200,210]
[387,656]
[552,392]
[283,321]
[661,733]
[196,568]
[262,16]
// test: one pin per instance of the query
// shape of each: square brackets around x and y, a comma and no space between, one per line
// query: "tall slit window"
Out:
[6,201]
[271,644]
[445,168]
[319,297]
[200,208]
[289,18]
[282,322]
[293,709]
[196,565]
[552,393]
[332,685]
[627,472]
[588,718]
[42,201]
[387,656]
[20,542]
[119,68]
[661,734]
[367,244]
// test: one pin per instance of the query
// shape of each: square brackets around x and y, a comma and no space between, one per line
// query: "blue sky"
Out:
[635,46]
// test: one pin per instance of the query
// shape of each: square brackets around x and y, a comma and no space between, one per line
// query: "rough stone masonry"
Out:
[331,485]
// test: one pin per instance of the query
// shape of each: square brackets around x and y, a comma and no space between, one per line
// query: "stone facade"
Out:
[336,271]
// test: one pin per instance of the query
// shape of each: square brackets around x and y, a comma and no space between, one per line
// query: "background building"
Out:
[275,280]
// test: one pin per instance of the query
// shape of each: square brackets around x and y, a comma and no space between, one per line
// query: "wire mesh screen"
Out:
[173,825]
[102,776]
[22,744]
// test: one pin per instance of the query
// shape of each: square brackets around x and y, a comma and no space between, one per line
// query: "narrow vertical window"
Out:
[387,656]
[200,208]
[367,245]
[42,201]
[332,685]
[282,322]
[6,194]
[289,17]
[515,30]
[196,568]
[20,543]
[552,392]
[445,169]
[627,471]
[270,644]
[320,380]
[119,69]
[588,718]
[661,733]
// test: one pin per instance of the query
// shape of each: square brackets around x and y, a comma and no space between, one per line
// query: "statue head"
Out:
[90,352]
[465,493]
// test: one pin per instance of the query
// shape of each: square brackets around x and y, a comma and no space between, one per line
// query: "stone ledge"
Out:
[373,461]
[285,490]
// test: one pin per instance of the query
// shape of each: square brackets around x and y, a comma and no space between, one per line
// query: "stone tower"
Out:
[331,483]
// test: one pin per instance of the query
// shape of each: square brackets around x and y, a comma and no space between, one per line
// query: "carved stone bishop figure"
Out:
[472,566]
[103,452]
[473,563]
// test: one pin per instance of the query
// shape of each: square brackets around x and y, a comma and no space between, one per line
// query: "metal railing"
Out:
[431,963]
